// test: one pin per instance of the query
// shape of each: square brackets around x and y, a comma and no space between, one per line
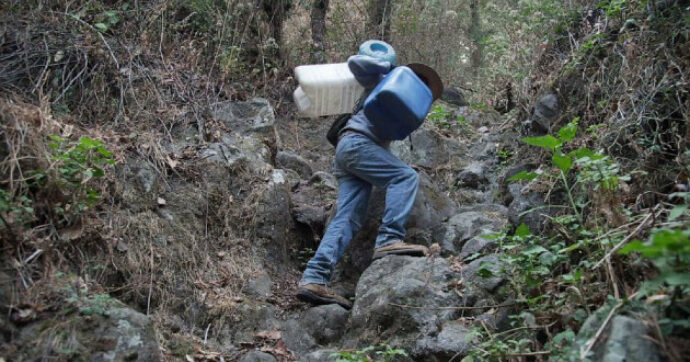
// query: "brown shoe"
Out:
[400,248]
[320,294]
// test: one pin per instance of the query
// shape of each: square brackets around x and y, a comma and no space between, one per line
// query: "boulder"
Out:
[546,111]
[472,176]
[477,244]
[522,202]
[250,319]
[134,336]
[625,339]
[297,338]
[239,151]
[104,331]
[259,286]
[292,161]
[254,116]
[139,185]
[476,117]
[398,300]
[321,355]
[273,222]
[317,326]
[482,219]
[486,273]
[251,138]
[453,95]
[258,356]
[312,204]
[450,342]
[325,179]
[429,149]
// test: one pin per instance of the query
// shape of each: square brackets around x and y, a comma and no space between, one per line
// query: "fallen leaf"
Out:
[161,201]
[274,335]
[280,350]
[72,233]
[172,163]
[24,315]
[122,246]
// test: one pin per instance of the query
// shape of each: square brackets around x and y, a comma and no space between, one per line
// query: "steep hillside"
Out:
[159,197]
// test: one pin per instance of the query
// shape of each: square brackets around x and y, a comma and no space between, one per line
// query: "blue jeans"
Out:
[360,163]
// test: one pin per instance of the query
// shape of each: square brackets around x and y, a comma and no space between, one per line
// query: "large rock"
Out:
[625,339]
[317,326]
[139,185]
[476,245]
[134,336]
[473,176]
[486,273]
[251,138]
[258,356]
[273,222]
[312,204]
[239,151]
[292,161]
[453,95]
[249,319]
[429,149]
[255,116]
[482,219]
[476,117]
[546,111]
[527,207]
[321,355]
[104,331]
[402,300]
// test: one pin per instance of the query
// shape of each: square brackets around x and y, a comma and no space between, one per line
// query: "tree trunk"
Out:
[276,13]
[379,24]
[319,9]
[475,35]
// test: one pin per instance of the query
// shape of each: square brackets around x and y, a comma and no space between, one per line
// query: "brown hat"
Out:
[429,77]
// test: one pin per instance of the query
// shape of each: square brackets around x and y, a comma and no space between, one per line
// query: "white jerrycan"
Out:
[325,89]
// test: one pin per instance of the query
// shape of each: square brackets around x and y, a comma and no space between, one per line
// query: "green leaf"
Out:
[568,131]
[522,231]
[634,246]
[537,249]
[676,212]
[582,152]
[674,279]
[484,270]
[550,142]
[89,143]
[563,162]
[101,27]
[524,175]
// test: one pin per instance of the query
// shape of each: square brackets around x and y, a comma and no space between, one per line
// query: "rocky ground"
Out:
[274,175]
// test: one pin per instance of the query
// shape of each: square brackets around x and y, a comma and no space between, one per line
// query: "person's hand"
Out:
[368,70]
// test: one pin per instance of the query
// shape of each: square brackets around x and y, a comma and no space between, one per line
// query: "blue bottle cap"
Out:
[378,49]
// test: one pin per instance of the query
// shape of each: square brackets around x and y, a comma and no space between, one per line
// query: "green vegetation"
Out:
[63,186]
[74,165]
[557,274]
[443,118]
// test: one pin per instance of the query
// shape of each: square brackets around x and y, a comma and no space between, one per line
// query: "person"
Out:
[362,160]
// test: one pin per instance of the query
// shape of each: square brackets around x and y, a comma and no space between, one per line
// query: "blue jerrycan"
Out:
[398,104]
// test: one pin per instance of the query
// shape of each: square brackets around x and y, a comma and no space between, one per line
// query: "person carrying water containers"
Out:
[395,103]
